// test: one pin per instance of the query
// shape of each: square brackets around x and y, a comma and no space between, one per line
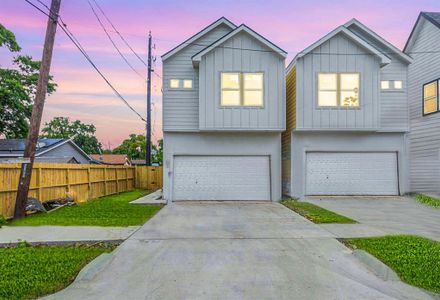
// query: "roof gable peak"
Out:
[242,28]
[215,24]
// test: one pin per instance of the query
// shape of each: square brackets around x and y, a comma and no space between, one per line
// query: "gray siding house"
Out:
[223,114]
[347,116]
[48,150]
[423,46]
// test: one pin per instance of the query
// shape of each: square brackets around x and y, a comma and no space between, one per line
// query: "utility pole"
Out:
[148,136]
[37,112]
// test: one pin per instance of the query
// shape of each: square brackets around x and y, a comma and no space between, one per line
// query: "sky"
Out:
[83,95]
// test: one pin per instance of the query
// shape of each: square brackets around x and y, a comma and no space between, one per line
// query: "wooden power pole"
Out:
[148,129]
[37,112]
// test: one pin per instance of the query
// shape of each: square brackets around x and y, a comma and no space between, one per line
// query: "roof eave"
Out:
[196,58]
[380,39]
[194,37]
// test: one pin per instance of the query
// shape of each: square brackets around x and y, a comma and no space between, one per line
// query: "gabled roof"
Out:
[433,17]
[111,159]
[15,147]
[242,28]
[341,29]
[393,49]
[192,39]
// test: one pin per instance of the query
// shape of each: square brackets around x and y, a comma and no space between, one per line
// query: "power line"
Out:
[120,35]
[75,41]
[111,40]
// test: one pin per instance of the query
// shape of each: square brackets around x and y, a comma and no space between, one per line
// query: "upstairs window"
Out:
[174,83]
[181,84]
[391,85]
[430,97]
[384,84]
[338,89]
[241,89]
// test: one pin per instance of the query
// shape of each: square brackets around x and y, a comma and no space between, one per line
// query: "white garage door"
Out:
[352,173]
[221,178]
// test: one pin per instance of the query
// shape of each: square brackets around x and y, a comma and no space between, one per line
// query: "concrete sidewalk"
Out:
[234,251]
[152,198]
[54,234]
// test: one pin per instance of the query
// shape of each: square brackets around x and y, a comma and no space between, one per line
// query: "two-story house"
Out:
[423,46]
[347,116]
[223,114]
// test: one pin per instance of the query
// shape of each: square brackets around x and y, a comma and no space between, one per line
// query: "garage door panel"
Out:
[352,173]
[221,178]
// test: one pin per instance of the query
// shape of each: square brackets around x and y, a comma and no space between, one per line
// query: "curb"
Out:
[94,267]
[380,269]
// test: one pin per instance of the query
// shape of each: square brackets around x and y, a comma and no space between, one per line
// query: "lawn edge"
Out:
[298,211]
[353,248]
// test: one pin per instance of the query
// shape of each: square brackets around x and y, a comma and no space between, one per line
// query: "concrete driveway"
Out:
[382,215]
[234,251]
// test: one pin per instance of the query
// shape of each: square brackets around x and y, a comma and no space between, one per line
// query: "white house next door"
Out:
[221,178]
[351,173]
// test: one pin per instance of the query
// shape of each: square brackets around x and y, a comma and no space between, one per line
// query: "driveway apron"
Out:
[234,251]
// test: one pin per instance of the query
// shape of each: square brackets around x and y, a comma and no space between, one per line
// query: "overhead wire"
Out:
[78,45]
[119,33]
[111,40]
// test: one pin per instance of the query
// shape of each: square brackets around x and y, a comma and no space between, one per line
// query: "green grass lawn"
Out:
[428,200]
[113,210]
[415,259]
[315,213]
[29,272]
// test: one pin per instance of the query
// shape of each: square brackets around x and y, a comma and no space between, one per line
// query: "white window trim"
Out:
[181,83]
[391,86]
[338,91]
[241,90]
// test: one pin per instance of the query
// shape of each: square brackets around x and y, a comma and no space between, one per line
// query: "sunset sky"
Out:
[83,95]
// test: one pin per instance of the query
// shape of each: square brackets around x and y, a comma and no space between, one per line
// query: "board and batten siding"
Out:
[233,56]
[181,107]
[286,136]
[424,130]
[309,115]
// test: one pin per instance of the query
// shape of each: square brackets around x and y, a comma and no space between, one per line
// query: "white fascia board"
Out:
[192,39]
[381,40]
[242,28]
[341,29]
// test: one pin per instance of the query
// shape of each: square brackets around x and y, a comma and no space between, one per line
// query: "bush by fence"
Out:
[81,182]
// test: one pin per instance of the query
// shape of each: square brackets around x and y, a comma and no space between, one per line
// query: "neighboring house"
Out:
[223,114]
[423,46]
[111,159]
[48,150]
[347,116]
[138,162]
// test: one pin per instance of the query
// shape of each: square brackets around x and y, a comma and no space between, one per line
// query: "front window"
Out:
[241,89]
[338,89]
[430,97]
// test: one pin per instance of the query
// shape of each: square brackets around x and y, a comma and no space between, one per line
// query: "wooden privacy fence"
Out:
[81,182]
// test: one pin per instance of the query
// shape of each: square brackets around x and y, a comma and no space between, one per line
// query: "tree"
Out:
[158,153]
[82,134]
[17,89]
[134,146]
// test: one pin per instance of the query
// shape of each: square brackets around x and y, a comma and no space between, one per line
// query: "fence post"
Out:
[68,180]
[105,181]
[89,181]
[126,178]
[117,182]
[39,183]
